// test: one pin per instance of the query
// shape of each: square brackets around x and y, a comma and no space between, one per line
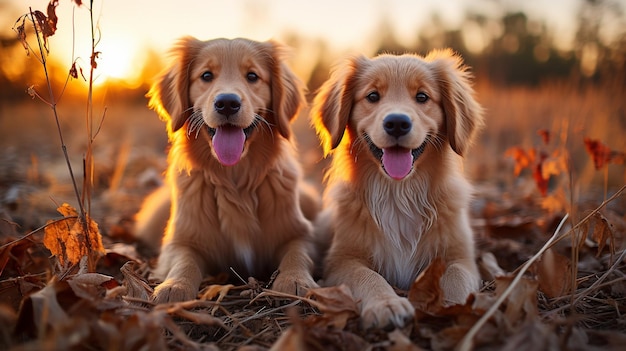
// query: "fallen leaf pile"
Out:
[50,300]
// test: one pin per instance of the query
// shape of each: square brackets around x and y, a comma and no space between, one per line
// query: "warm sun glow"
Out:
[117,61]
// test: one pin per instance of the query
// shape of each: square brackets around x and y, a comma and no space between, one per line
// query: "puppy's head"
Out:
[230,89]
[400,107]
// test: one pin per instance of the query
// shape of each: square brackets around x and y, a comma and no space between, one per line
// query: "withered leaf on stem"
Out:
[68,241]
[602,233]
[602,155]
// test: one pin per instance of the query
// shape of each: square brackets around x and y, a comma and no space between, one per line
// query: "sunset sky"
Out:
[129,28]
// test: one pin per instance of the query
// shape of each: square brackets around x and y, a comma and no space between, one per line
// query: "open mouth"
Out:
[228,142]
[396,161]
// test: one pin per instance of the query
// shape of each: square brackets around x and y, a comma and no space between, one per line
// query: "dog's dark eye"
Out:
[421,98]
[207,76]
[252,77]
[373,96]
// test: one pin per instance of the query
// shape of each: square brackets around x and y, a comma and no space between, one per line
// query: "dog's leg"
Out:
[151,221]
[380,305]
[181,267]
[295,269]
[459,281]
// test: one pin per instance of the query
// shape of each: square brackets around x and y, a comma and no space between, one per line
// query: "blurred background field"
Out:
[557,67]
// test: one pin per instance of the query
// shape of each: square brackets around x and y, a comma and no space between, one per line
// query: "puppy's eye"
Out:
[373,96]
[207,76]
[252,77]
[421,98]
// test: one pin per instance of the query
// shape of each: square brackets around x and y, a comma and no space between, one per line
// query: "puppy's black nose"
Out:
[227,104]
[397,124]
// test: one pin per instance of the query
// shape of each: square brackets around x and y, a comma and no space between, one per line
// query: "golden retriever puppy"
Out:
[396,197]
[234,183]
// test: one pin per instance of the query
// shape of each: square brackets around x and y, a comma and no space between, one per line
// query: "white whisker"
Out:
[195,123]
[259,120]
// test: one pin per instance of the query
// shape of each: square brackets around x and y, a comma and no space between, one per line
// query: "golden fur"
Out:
[240,208]
[388,223]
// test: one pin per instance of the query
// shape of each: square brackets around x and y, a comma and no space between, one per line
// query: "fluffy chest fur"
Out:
[403,214]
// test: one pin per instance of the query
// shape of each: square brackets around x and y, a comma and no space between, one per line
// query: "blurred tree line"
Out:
[511,50]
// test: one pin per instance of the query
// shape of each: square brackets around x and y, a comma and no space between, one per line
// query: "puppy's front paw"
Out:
[390,310]
[173,290]
[294,283]
[458,282]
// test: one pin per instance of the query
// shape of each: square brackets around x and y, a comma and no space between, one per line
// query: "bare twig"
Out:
[467,341]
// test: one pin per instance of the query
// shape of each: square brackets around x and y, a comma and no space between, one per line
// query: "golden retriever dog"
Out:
[234,186]
[396,197]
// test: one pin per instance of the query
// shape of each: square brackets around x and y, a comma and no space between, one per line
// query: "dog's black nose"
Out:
[227,104]
[397,124]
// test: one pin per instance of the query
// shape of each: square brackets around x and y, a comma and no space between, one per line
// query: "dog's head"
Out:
[400,107]
[233,88]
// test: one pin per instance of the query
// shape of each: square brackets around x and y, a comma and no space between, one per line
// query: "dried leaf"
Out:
[523,159]
[136,286]
[521,304]
[336,303]
[68,241]
[540,181]
[426,294]
[554,165]
[21,32]
[553,273]
[89,286]
[52,16]
[602,233]
[602,155]
[41,310]
[214,290]
[545,135]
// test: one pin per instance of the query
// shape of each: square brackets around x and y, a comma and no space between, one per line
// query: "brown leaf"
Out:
[136,286]
[545,135]
[52,16]
[521,304]
[523,159]
[41,310]
[602,233]
[68,241]
[553,273]
[540,181]
[601,154]
[21,32]
[426,294]
[336,304]
[214,290]
[89,286]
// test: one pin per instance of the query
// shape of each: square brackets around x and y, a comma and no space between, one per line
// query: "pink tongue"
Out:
[397,162]
[228,144]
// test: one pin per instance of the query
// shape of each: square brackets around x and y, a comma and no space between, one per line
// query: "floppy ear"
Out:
[333,102]
[169,95]
[287,91]
[463,114]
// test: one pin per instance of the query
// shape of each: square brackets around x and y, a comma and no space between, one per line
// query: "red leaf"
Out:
[545,135]
[602,154]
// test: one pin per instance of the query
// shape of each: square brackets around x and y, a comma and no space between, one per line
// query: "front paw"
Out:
[174,290]
[457,283]
[387,311]
[297,283]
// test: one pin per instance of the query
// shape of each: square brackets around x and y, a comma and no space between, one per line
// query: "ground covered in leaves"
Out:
[550,282]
